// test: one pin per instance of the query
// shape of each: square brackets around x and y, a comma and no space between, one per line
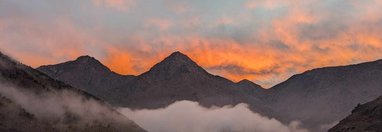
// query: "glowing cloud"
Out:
[264,41]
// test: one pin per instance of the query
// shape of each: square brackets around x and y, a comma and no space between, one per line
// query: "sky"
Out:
[265,41]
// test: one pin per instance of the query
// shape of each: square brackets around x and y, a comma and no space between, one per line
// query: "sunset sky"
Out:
[265,41]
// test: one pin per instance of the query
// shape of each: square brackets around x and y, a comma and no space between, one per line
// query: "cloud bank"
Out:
[265,41]
[64,110]
[187,116]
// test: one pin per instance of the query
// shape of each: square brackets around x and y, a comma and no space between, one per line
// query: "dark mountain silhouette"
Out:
[326,95]
[21,86]
[175,78]
[89,75]
[250,87]
[364,118]
[317,97]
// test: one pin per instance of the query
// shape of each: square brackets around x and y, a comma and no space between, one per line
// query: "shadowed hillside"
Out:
[31,101]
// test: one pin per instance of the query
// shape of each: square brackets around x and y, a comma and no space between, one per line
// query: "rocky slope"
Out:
[175,78]
[32,101]
[364,118]
[326,95]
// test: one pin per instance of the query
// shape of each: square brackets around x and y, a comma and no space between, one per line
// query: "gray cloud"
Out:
[64,108]
[308,34]
[187,116]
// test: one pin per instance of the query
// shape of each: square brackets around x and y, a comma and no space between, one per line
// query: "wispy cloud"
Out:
[264,41]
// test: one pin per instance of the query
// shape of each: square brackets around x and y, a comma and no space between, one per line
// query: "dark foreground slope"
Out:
[323,96]
[175,78]
[89,75]
[364,118]
[31,101]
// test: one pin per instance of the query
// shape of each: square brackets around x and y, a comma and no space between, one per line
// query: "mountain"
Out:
[250,87]
[365,118]
[175,78]
[89,75]
[32,101]
[326,95]
[318,98]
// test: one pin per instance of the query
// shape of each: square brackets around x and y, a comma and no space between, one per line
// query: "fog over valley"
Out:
[188,116]
[190,66]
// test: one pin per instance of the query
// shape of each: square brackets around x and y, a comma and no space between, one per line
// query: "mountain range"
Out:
[318,97]
[326,95]
[175,78]
[31,101]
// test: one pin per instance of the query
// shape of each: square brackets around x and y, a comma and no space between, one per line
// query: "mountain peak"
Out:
[175,64]
[248,83]
[82,63]
[89,61]
[86,58]
[177,53]
[245,81]
[176,59]
[178,56]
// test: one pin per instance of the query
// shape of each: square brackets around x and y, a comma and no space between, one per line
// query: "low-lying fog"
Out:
[63,110]
[181,116]
[187,116]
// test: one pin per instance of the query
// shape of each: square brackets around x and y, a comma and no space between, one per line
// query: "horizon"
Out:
[205,69]
[263,41]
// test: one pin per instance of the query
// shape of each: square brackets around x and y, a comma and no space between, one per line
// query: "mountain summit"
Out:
[87,59]
[250,87]
[86,73]
[83,63]
[177,78]
[176,65]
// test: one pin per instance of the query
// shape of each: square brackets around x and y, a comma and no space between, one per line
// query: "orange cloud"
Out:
[299,39]
[261,61]
[221,57]
[37,44]
[121,62]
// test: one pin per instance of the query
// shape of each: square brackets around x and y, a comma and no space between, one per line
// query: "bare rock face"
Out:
[364,118]
[175,78]
[31,101]
[326,95]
